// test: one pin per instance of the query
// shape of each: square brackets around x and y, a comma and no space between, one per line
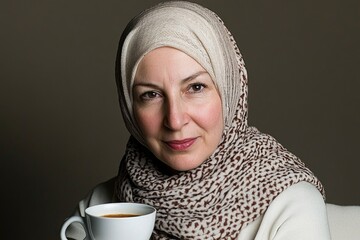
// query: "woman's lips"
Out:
[181,144]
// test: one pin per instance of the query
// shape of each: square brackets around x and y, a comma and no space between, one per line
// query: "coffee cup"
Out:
[115,221]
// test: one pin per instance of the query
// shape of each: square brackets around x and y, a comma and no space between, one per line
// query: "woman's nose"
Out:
[175,114]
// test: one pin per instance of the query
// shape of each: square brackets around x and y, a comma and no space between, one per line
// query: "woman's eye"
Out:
[149,95]
[196,87]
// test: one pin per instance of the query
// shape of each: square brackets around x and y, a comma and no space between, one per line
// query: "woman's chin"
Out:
[182,165]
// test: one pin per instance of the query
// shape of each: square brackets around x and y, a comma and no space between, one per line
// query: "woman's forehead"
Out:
[168,62]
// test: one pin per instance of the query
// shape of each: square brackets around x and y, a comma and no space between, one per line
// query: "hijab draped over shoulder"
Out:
[236,184]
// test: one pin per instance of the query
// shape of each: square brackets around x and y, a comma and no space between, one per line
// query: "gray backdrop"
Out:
[61,128]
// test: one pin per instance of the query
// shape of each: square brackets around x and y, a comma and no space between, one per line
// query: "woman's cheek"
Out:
[148,121]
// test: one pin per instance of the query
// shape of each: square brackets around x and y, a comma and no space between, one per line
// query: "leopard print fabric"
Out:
[231,189]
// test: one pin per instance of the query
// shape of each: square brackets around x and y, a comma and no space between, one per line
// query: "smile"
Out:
[181,145]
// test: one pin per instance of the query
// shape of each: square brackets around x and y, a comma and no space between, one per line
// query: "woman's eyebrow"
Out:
[193,76]
[189,78]
[144,84]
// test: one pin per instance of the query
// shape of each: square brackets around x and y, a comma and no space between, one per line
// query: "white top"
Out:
[298,213]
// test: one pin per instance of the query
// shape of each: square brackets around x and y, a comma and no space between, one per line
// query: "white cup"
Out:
[99,227]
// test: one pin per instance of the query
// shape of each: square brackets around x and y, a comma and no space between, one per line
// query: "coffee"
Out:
[120,215]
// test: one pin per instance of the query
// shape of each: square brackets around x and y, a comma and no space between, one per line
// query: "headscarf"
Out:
[236,184]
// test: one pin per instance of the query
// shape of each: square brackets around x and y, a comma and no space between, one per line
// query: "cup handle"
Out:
[68,222]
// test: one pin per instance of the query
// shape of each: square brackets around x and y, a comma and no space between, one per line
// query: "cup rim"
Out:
[109,209]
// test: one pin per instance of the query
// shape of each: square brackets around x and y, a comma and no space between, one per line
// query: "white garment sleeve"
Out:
[298,213]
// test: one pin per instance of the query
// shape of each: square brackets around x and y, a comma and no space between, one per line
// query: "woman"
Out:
[183,93]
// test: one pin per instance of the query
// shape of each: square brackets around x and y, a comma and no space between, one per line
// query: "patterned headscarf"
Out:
[236,184]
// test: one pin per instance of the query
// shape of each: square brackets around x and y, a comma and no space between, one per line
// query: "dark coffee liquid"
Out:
[120,215]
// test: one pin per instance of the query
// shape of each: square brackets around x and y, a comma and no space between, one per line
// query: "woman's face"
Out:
[177,108]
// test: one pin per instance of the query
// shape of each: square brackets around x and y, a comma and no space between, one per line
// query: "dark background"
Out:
[61,127]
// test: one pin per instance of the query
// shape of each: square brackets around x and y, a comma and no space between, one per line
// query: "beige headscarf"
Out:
[194,30]
[248,169]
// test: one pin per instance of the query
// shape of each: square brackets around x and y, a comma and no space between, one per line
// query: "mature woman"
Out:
[183,93]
